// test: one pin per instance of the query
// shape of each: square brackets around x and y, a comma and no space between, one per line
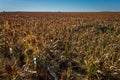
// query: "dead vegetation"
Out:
[59,46]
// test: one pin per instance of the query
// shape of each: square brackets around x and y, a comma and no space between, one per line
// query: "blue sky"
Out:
[60,5]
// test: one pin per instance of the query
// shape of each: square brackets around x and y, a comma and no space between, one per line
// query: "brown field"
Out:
[59,45]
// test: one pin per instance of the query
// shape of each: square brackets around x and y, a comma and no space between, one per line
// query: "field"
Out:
[59,45]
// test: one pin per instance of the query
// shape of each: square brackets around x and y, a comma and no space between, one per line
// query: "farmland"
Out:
[60,45]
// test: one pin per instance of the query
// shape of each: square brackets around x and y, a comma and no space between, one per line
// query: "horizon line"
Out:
[58,11]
